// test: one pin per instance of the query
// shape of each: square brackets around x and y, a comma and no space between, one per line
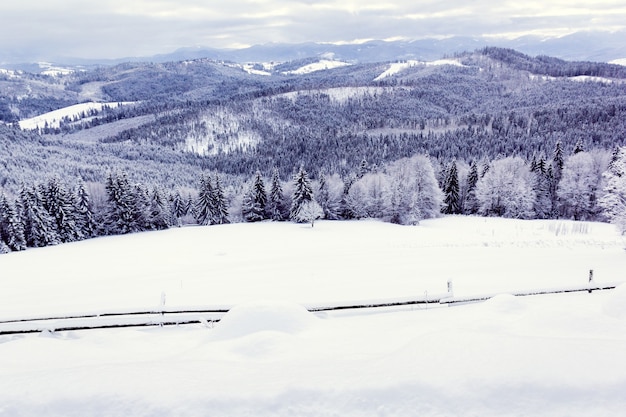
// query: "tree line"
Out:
[580,186]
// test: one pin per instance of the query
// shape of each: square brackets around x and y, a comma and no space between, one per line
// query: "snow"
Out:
[578,78]
[509,356]
[250,69]
[54,117]
[620,61]
[53,70]
[340,94]
[398,67]
[322,64]
[263,316]
[587,78]
[205,141]
[8,73]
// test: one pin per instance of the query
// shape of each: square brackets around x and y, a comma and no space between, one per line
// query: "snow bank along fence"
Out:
[166,316]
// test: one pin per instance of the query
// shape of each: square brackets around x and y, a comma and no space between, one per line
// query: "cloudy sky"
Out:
[123,28]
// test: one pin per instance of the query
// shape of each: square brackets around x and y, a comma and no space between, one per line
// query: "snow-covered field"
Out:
[549,355]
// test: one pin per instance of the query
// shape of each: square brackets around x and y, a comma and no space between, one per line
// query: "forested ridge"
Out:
[400,141]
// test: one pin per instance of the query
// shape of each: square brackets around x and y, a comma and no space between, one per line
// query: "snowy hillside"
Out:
[398,67]
[322,64]
[542,356]
[52,119]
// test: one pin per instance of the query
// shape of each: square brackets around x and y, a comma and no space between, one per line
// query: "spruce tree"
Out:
[205,204]
[471,202]
[255,201]
[11,228]
[541,187]
[39,226]
[329,207]
[124,212]
[140,198]
[275,204]
[557,161]
[220,214]
[557,171]
[159,212]
[302,193]
[60,205]
[179,207]
[452,201]
[578,148]
[84,210]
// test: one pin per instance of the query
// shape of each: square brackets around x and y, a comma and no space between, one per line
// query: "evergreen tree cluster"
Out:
[585,185]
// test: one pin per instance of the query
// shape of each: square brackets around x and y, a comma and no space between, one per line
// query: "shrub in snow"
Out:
[309,212]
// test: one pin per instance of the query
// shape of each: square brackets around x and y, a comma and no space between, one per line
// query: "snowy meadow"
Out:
[546,355]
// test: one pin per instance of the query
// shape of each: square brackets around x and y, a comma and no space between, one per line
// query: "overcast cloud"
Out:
[123,28]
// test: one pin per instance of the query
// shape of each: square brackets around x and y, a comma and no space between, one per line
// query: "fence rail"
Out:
[165,316]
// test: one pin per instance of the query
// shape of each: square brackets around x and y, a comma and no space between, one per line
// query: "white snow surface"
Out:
[549,355]
[620,61]
[398,67]
[322,64]
[54,117]
[340,94]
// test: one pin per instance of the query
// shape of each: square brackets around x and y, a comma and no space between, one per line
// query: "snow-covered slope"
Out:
[510,356]
[322,64]
[621,61]
[398,67]
[53,118]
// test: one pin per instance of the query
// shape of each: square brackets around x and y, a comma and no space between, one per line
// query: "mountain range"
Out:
[579,46]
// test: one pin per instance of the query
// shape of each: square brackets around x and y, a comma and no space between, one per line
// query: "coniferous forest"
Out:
[492,132]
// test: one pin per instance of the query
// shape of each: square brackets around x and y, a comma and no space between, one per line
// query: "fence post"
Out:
[590,280]
[450,290]
[162,308]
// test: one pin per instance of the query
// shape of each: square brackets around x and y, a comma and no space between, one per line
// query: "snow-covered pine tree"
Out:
[578,148]
[258,201]
[302,193]
[39,226]
[275,203]
[220,210]
[255,201]
[11,228]
[541,187]
[60,205]
[159,218]
[471,202]
[84,210]
[557,161]
[247,205]
[327,203]
[364,168]
[452,200]
[125,206]
[205,204]
[141,208]
[345,204]
[179,208]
